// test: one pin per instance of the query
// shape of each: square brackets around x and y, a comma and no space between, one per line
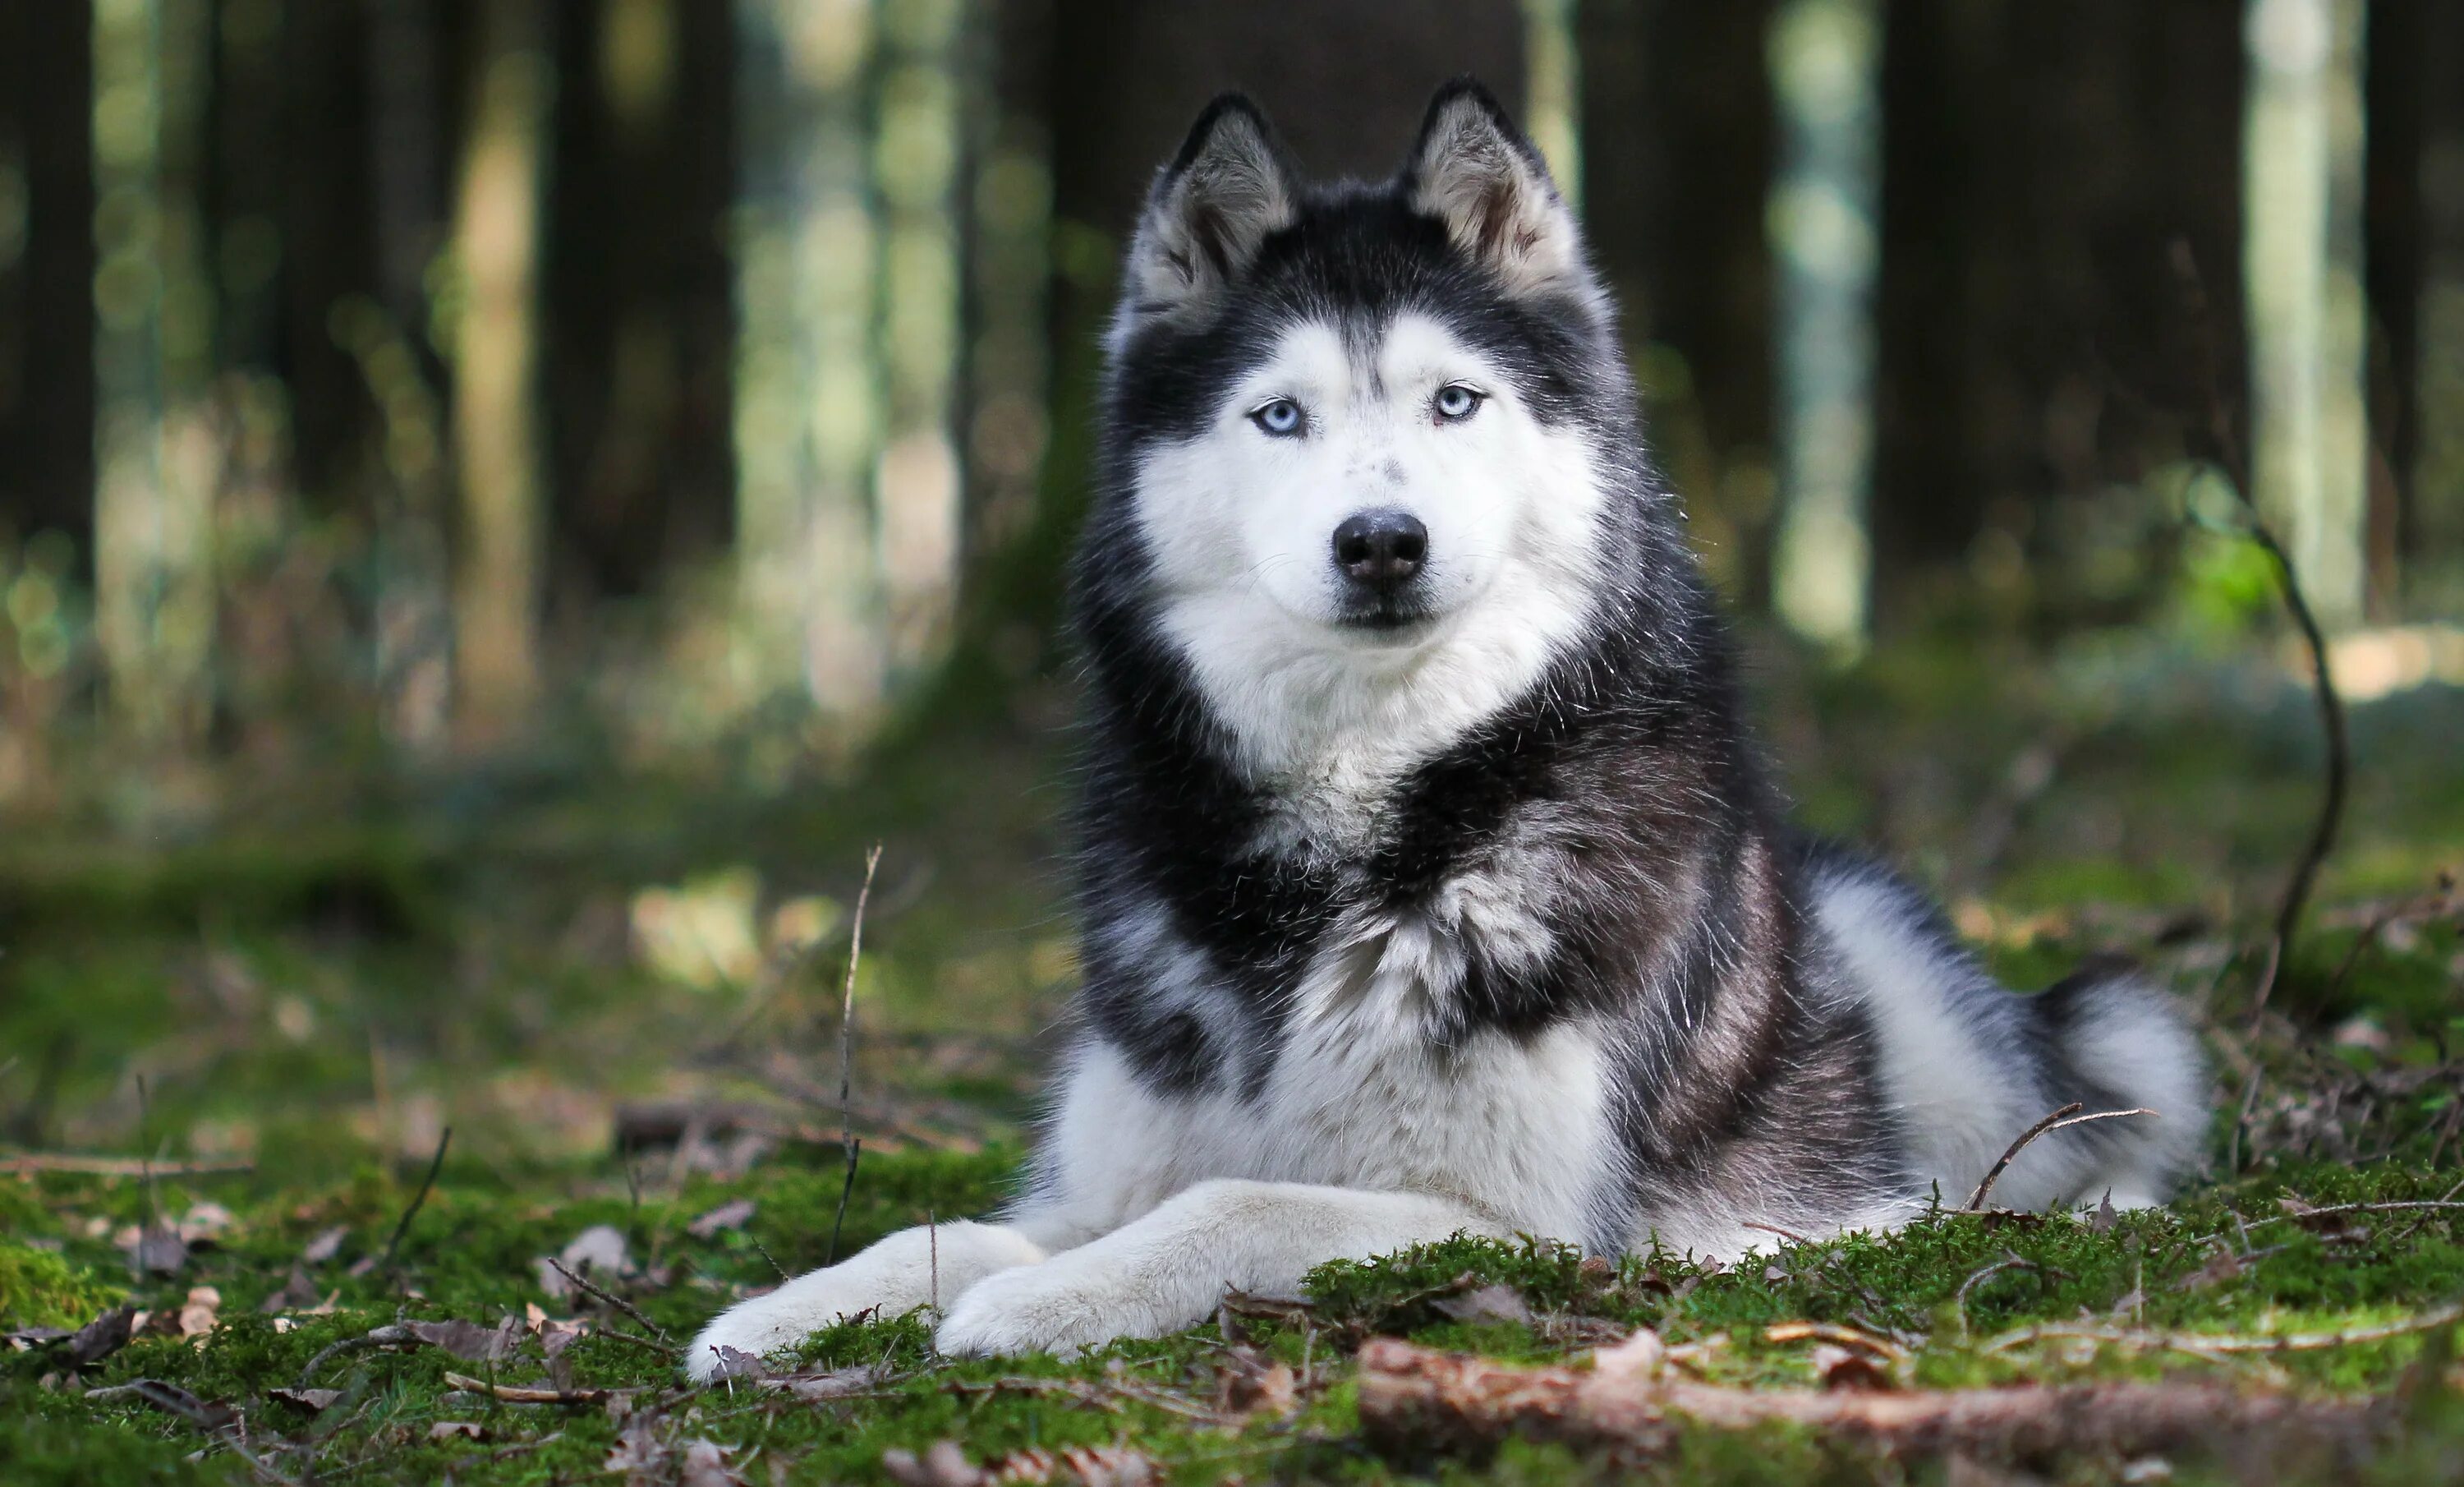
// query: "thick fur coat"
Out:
[1429,878]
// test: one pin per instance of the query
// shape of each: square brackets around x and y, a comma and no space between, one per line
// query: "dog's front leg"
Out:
[1169,1269]
[915,1267]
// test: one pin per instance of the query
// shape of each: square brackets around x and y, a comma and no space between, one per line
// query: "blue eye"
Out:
[1457,402]
[1281,417]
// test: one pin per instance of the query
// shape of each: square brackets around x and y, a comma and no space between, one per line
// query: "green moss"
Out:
[40,1289]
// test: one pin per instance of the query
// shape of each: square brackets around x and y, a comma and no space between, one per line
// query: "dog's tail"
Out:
[2113,1041]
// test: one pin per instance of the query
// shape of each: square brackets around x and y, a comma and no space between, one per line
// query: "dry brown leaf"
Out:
[316,1401]
[197,1317]
[458,1430]
[468,1340]
[327,1244]
[1488,1303]
[944,1464]
[734,1214]
[705,1465]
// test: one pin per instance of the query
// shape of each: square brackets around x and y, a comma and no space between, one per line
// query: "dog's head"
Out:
[1363,433]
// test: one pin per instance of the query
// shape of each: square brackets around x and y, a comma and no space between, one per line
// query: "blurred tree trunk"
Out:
[2034,348]
[917,156]
[1676,121]
[157,447]
[498,454]
[636,299]
[329,245]
[808,402]
[2414,267]
[47,389]
[391,334]
[2432,478]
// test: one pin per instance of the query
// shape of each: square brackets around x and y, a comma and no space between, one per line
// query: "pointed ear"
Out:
[1228,189]
[1475,171]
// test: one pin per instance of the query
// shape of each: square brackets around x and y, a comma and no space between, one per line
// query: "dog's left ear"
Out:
[1475,171]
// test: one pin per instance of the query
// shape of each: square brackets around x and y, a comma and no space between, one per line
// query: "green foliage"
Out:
[40,1289]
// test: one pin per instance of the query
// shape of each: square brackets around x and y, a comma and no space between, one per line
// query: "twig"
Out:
[846,1191]
[2233,1343]
[2227,453]
[1414,1400]
[847,1048]
[612,1299]
[390,1335]
[2407,1206]
[435,1165]
[1789,1234]
[1838,1333]
[516,1394]
[2064,1117]
[18,1163]
[2010,1261]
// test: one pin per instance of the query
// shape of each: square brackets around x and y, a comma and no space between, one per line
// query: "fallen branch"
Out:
[21,1163]
[2431,1320]
[2066,1115]
[518,1394]
[1414,1401]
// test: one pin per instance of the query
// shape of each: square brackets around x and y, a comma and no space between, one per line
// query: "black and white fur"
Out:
[1435,887]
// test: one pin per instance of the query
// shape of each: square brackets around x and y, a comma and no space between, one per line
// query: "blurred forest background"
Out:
[501,501]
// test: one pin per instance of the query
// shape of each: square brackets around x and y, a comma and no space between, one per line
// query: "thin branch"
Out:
[847,1050]
[1414,1400]
[2067,1115]
[2226,452]
[615,1300]
[2431,1320]
[22,1162]
[516,1394]
[435,1165]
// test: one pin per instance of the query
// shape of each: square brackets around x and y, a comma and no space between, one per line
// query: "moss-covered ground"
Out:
[622,995]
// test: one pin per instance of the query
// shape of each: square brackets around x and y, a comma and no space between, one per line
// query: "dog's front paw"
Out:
[916,1267]
[1056,1307]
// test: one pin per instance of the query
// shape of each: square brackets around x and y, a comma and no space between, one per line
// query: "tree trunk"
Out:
[47,476]
[1677,119]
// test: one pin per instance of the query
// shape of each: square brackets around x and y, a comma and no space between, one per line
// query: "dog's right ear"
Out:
[1228,189]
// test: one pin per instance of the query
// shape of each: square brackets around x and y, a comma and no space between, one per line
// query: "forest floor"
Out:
[622,995]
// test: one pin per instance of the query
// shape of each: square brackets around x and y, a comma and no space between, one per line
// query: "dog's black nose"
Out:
[1381,549]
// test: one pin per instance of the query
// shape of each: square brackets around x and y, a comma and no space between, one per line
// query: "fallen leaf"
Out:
[203,1221]
[1488,1303]
[327,1244]
[944,1464]
[597,1250]
[705,1465]
[734,1363]
[468,1340]
[1251,1385]
[638,1453]
[835,1384]
[1640,1356]
[316,1401]
[458,1430]
[1849,1368]
[102,1337]
[727,1216]
[158,1252]
[197,1317]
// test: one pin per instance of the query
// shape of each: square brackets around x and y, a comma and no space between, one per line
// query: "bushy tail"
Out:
[2115,1040]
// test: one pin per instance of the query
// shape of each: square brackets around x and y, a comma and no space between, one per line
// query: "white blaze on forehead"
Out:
[1240,527]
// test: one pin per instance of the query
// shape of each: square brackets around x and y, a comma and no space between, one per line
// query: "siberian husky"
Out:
[1429,881]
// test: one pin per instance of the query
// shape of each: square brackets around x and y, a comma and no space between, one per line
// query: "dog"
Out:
[1429,881]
